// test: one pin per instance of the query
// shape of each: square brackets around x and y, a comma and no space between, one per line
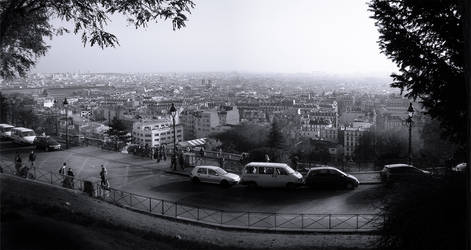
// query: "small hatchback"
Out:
[401,172]
[46,143]
[213,174]
[330,177]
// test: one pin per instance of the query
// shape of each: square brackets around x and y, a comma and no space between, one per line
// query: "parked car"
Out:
[213,174]
[398,172]
[460,167]
[330,177]
[47,143]
[267,174]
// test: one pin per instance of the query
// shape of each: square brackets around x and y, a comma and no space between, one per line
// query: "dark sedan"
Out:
[47,143]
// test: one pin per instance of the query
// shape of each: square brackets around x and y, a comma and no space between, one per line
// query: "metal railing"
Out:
[242,219]
[216,217]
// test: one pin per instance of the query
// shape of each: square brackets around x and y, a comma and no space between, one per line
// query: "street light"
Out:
[66,124]
[173,112]
[55,116]
[410,112]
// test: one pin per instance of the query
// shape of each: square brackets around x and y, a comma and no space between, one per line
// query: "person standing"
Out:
[18,162]
[32,158]
[267,158]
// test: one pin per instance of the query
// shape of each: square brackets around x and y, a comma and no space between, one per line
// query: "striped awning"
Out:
[193,143]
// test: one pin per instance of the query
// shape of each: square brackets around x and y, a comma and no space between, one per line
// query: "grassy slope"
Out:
[36,216]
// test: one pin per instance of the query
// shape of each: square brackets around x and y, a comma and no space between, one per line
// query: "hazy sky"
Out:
[237,35]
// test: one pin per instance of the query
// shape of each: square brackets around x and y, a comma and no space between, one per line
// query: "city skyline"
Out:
[221,36]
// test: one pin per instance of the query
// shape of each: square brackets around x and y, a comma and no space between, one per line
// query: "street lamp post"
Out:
[173,112]
[410,112]
[66,103]
[55,116]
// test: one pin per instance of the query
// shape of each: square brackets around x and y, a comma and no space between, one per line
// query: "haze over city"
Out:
[335,37]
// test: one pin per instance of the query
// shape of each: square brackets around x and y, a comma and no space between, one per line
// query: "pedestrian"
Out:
[174,162]
[164,152]
[181,160]
[221,161]
[18,162]
[32,158]
[103,177]
[62,169]
[267,158]
[157,155]
[70,178]
[202,152]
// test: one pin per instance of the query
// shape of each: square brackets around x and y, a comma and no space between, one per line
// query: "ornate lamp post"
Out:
[410,112]
[66,103]
[173,112]
[55,116]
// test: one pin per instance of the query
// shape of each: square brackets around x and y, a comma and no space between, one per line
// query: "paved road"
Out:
[146,177]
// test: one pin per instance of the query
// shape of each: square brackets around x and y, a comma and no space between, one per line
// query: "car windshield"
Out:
[221,171]
[27,133]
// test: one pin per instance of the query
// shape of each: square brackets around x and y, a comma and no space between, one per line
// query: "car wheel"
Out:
[252,184]
[225,184]
[350,186]
[290,186]
[195,180]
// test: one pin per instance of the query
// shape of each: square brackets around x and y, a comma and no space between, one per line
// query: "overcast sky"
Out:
[286,36]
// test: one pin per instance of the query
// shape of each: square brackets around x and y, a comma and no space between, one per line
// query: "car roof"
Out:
[209,167]
[266,164]
[397,165]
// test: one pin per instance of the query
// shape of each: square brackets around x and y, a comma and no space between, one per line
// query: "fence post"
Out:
[357,221]
[176,210]
[275,221]
[248,219]
[162,203]
[150,205]
[302,221]
[221,215]
[130,199]
[197,213]
[330,219]
[51,177]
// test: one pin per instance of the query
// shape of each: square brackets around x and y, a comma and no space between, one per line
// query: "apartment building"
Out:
[156,132]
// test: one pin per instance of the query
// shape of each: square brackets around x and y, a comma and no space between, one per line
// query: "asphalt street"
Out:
[146,177]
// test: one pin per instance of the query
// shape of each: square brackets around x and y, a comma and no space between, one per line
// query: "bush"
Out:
[425,214]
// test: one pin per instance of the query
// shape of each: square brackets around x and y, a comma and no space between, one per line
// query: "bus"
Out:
[22,135]
[5,130]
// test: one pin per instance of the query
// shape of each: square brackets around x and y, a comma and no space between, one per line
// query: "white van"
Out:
[5,130]
[22,135]
[267,174]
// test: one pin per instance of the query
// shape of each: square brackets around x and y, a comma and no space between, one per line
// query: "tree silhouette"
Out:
[275,138]
[24,25]
[425,38]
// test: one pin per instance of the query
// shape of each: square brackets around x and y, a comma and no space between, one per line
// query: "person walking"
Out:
[174,162]
[70,178]
[62,169]
[103,176]
[32,158]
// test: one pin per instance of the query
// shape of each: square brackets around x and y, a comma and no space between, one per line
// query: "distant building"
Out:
[156,132]
[352,135]
[201,123]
